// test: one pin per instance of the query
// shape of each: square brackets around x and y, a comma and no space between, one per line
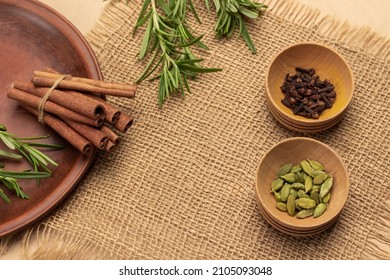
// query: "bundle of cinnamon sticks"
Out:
[73,107]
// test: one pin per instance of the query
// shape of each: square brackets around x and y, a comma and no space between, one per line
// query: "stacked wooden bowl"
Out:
[294,150]
[328,64]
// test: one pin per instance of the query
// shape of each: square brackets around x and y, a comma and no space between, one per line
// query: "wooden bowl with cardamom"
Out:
[327,75]
[293,151]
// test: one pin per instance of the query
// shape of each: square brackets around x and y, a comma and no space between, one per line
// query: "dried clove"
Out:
[306,95]
[298,108]
[328,103]
[326,89]
[312,113]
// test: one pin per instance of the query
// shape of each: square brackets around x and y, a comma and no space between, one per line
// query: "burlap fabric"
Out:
[181,184]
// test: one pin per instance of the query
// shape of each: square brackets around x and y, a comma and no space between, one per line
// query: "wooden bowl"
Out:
[293,150]
[312,129]
[328,65]
[297,233]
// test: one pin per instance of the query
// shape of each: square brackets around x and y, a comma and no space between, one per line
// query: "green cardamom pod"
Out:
[308,183]
[277,196]
[319,210]
[315,195]
[289,177]
[306,203]
[326,198]
[326,186]
[316,164]
[319,179]
[294,193]
[285,192]
[299,177]
[298,186]
[305,213]
[284,170]
[297,206]
[291,205]
[316,187]
[281,206]
[301,194]
[296,168]
[306,166]
[277,184]
[314,173]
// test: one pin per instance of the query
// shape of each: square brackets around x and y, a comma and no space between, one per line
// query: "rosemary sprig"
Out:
[9,179]
[168,39]
[231,14]
[35,157]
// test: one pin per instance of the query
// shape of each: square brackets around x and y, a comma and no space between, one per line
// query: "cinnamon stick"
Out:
[50,107]
[72,100]
[92,134]
[53,74]
[69,134]
[75,106]
[83,87]
[112,136]
[112,113]
[110,146]
[123,123]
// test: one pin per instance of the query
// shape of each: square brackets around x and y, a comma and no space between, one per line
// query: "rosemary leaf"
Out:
[32,138]
[197,69]
[45,145]
[10,155]
[5,138]
[193,10]
[28,150]
[245,35]
[231,14]
[4,197]
[142,18]
[12,184]
[146,40]
[24,174]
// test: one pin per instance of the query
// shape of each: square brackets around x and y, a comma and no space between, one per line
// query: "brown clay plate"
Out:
[34,36]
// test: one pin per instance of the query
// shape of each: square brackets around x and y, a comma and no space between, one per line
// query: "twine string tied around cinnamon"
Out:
[45,98]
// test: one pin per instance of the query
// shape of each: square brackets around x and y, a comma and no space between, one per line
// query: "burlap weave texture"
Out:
[181,184]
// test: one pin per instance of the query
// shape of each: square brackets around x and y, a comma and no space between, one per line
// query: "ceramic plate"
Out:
[34,36]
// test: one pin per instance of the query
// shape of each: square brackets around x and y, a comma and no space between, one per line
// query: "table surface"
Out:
[83,14]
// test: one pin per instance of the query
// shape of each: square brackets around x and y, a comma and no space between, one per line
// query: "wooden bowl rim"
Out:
[297,233]
[311,130]
[300,119]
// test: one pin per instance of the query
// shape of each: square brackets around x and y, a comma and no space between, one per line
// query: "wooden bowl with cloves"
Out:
[308,87]
[307,175]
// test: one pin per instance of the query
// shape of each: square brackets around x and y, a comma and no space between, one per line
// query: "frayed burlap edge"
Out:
[42,242]
[355,38]
[378,241]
